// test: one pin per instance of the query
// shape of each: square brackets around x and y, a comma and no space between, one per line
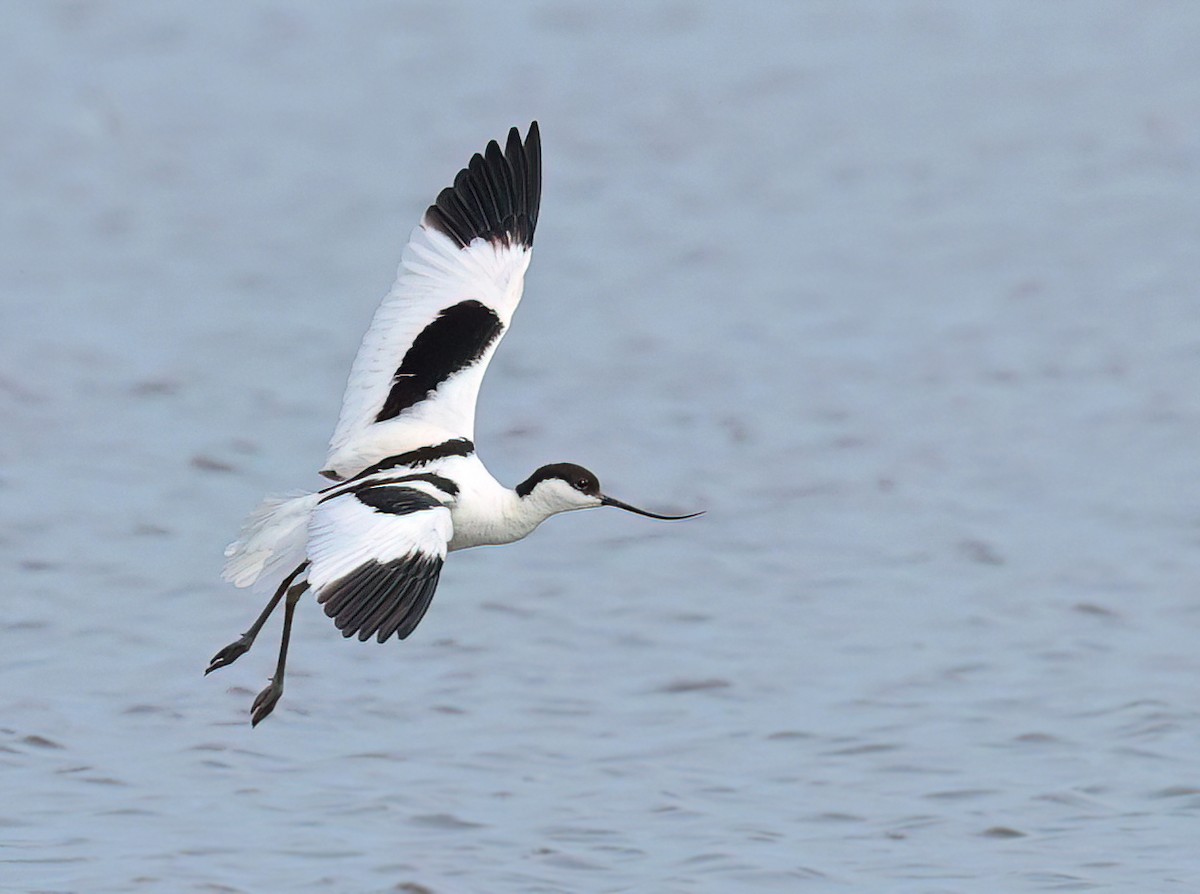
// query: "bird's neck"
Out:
[527,512]
[493,516]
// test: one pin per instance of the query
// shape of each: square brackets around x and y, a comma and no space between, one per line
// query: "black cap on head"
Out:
[576,476]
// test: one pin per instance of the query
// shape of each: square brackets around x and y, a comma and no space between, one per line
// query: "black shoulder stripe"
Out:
[496,196]
[445,485]
[395,499]
[457,338]
[422,456]
[382,598]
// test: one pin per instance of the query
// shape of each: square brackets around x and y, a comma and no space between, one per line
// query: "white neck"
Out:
[492,514]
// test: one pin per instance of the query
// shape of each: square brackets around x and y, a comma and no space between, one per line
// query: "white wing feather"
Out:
[345,534]
[434,274]
[416,378]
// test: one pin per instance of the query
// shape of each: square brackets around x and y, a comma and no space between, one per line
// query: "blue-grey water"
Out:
[905,295]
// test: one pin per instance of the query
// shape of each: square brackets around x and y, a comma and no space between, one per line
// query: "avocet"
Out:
[408,486]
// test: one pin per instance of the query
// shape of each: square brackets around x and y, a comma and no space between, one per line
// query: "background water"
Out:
[904,295]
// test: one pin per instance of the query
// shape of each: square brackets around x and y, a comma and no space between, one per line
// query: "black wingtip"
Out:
[496,196]
[382,598]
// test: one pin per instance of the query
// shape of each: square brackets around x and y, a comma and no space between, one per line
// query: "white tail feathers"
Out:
[273,537]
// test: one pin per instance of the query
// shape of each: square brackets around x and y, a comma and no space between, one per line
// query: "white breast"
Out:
[485,512]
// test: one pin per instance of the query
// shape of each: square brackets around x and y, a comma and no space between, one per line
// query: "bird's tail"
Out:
[273,537]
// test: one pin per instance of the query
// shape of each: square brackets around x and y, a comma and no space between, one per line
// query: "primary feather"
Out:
[375,554]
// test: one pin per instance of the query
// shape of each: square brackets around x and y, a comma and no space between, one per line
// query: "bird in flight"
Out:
[408,486]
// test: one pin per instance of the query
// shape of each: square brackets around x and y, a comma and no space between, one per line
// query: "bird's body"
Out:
[408,487]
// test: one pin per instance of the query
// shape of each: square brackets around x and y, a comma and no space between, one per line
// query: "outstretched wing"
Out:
[418,372]
[375,554]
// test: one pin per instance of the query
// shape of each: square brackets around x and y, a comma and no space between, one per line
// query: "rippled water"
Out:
[905,296]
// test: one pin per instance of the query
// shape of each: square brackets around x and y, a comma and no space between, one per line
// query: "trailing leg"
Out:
[242,644]
[269,697]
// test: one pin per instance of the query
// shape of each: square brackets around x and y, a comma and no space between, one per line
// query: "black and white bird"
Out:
[409,487]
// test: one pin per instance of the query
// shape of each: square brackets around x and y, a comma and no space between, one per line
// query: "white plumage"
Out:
[434,274]
[346,533]
[272,540]
[409,487]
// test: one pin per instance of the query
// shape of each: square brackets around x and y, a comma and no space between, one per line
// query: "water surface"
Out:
[903,296]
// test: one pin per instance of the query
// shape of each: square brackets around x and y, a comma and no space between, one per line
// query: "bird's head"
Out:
[561,487]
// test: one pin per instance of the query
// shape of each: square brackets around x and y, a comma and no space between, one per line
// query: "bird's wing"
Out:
[417,374]
[376,551]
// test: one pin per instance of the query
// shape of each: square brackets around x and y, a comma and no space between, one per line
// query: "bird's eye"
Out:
[584,484]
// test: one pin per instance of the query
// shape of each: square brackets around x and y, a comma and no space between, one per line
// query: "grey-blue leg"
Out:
[242,644]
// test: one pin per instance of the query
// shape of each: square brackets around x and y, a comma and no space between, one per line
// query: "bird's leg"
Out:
[267,699]
[242,644]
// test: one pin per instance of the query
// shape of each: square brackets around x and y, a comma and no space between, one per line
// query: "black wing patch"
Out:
[382,598]
[457,337]
[495,197]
